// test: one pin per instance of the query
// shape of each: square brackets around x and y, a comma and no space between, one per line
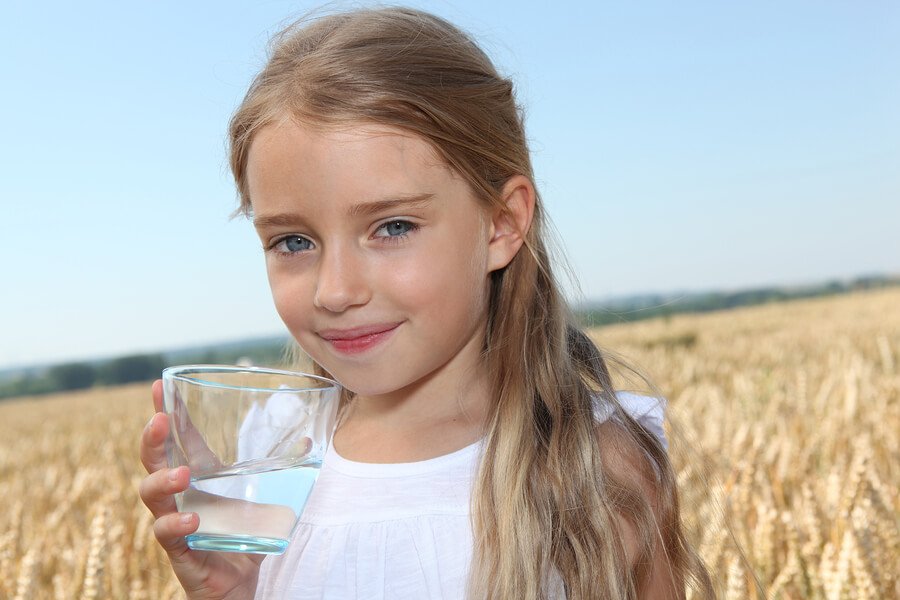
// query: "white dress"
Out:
[393,531]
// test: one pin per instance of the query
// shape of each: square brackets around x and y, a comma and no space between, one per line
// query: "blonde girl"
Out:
[482,451]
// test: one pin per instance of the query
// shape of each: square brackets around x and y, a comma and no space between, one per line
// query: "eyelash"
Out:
[279,241]
[389,239]
[396,238]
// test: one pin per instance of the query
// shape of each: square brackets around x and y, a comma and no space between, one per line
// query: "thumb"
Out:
[157,389]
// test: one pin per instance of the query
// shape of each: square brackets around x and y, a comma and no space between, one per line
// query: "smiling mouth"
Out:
[358,339]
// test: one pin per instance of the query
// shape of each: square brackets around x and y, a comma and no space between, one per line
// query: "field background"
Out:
[784,432]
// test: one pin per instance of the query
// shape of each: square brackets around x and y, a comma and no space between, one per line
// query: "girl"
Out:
[482,451]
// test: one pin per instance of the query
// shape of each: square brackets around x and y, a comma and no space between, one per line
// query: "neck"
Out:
[442,412]
[427,403]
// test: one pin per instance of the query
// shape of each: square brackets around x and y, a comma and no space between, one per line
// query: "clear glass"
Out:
[254,440]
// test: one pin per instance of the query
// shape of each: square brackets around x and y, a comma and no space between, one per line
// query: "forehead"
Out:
[373,156]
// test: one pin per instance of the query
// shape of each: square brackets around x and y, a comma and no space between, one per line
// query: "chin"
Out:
[367,390]
[365,385]
[368,378]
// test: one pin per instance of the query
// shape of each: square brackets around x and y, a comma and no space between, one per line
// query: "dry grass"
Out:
[786,421]
[73,525]
[785,426]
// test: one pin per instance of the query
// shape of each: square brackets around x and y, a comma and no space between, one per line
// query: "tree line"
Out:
[133,368]
[647,307]
[83,375]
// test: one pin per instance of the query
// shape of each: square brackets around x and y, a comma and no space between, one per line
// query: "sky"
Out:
[678,146]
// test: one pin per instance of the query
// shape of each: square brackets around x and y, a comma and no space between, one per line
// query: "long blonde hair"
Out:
[545,505]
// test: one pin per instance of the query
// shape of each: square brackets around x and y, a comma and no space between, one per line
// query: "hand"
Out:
[203,575]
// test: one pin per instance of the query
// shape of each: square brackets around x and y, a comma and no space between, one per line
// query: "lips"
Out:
[358,339]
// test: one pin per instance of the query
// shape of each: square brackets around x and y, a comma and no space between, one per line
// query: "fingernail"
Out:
[149,423]
[186,518]
[173,474]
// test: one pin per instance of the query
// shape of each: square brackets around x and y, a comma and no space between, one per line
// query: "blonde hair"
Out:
[545,503]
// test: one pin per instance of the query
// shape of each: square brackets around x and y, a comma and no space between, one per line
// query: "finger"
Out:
[170,531]
[157,490]
[191,439]
[153,442]
[157,392]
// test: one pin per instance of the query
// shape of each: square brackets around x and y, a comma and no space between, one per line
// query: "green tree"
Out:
[73,376]
[137,367]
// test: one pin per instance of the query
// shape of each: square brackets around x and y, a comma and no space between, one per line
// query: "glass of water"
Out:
[254,440]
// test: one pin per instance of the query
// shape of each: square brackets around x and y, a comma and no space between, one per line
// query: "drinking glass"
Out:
[254,440]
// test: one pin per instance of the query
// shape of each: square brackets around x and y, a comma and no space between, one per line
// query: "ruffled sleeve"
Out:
[650,412]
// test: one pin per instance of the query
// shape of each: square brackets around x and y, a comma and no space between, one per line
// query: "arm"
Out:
[624,460]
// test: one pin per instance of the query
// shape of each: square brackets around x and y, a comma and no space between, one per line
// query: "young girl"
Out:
[482,451]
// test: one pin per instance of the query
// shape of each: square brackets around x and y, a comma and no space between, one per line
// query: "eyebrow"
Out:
[404,200]
[361,209]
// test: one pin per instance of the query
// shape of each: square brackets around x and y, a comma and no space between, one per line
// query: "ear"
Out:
[510,224]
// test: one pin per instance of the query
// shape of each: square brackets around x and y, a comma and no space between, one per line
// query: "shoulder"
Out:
[625,455]
[626,460]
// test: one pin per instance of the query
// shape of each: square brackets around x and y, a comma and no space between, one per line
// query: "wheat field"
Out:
[784,433]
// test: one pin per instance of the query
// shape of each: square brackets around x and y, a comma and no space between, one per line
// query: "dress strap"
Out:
[650,412]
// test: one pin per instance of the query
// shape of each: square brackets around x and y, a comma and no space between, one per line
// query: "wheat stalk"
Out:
[92,586]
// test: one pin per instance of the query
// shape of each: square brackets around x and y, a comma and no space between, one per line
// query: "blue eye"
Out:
[397,228]
[292,244]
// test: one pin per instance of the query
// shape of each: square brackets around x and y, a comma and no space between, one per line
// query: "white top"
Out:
[393,531]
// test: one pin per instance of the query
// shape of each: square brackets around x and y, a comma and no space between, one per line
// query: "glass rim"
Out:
[180,372]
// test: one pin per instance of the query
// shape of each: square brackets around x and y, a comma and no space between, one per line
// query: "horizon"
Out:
[5,370]
[682,147]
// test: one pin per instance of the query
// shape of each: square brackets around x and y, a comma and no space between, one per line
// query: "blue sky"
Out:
[678,146]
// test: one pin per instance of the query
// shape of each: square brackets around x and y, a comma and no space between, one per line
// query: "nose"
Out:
[341,281]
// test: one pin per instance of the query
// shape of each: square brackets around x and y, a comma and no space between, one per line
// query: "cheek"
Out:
[449,283]
[288,298]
